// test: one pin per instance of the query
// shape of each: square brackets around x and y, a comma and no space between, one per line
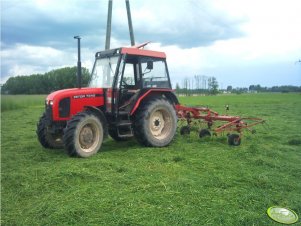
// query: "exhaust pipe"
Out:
[79,64]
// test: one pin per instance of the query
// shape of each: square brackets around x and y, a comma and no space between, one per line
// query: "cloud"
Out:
[52,23]
[38,35]
[199,36]
[26,59]
[183,23]
[186,24]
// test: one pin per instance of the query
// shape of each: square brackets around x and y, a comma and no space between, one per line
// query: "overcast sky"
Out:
[240,42]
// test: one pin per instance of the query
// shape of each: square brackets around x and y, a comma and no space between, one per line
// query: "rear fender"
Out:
[164,93]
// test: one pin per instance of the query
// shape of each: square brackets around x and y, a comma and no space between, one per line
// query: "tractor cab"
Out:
[125,74]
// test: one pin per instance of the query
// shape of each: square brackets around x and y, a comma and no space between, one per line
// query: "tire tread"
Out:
[42,135]
[144,112]
[70,130]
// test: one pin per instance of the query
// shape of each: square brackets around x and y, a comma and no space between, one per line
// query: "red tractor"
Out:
[129,95]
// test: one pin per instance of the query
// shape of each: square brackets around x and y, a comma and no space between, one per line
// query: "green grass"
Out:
[14,102]
[191,182]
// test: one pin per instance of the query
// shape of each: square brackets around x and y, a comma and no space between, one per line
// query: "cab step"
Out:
[124,128]
[123,113]
[124,123]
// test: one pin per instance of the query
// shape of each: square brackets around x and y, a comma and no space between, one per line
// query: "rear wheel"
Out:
[234,139]
[83,135]
[155,123]
[46,138]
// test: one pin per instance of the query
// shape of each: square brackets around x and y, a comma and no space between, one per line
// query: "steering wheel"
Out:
[124,83]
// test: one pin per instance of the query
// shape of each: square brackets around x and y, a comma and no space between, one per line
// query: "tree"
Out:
[45,83]
[251,88]
[229,88]
[178,89]
[186,86]
[212,86]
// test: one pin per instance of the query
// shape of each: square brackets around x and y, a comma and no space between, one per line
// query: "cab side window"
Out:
[128,75]
[154,76]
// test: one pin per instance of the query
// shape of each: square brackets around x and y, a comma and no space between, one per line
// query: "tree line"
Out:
[199,84]
[206,85]
[45,83]
[258,88]
[66,78]
[283,89]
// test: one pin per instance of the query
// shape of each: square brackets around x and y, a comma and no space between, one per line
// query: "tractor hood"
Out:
[61,105]
[75,93]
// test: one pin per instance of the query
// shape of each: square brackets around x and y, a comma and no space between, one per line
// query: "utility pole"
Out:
[128,10]
[109,24]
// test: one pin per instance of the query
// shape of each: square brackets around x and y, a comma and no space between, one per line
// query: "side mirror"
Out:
[150,65]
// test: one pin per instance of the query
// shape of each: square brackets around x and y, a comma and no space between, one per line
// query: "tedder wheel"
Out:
[234,139]
[47,139]
[204,133]
[155,123]
[83,135]
[185,130]
[114,134]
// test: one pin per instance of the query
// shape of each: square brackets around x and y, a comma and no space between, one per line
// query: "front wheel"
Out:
[46,137]
[83,135]
[155,123]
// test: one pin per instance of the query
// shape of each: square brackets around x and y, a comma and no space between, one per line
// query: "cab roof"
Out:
[133,50]
[142,52]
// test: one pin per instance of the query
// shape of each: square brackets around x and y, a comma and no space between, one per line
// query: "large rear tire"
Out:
[46,138]
[155,123]
[83,135]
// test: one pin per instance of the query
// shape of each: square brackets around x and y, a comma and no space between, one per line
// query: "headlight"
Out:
[49,102]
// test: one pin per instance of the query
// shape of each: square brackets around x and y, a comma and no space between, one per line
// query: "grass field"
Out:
[191,182]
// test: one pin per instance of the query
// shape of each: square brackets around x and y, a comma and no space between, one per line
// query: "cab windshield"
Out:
[103,72]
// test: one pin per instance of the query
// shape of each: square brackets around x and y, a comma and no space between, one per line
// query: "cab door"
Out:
[127,83]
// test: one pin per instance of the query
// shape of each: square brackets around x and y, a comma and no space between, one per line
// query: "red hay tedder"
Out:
[207,116]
